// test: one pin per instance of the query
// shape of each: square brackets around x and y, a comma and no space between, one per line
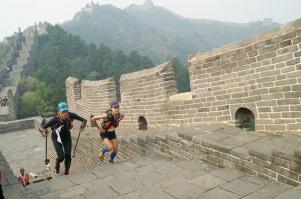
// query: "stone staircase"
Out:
[206,162]
[150,175]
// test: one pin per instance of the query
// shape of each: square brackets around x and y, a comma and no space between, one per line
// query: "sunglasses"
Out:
[115,107]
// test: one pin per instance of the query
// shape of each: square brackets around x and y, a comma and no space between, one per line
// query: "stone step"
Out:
[149,176]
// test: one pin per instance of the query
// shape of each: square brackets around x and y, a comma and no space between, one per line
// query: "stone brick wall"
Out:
[145,93]
[276,165]
[261,74]
[90,97]
[17,125]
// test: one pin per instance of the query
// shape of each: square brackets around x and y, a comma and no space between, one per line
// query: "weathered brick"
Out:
[239,95]
[272,96]
[252,87]
[295,108]
[219,103]
[235,101]
[270,73]
[297,54]
[266,79]
[284,121]
[266,62]
[287,50]
[203,109]
[266,56]
[218,83]
[282,58]
[262,116]
[250,76]
[252,54]
[288,69]
[242,68]
[268,84]
[294,126]
[280,108]
[288,101]
[294,74]
[292,94]
[264,109]
[229,65]
[291,114]
[268,49]
[296,40]
[260,45]
[280,89]
[280,65]
[267,103]
[274,115]
[223,97]
[285,82]
[252,99]
[259,91]
[293,62]
[286,180]
[286,43]
[221,108]
[265,68]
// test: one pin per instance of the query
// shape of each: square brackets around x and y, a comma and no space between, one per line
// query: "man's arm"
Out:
[44,126]
[49,123]
[74,116]
[79,118]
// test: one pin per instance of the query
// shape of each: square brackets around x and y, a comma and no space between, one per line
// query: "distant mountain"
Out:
[155,31]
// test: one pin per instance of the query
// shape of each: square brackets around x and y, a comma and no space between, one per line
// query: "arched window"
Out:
[245,119]
[142,123]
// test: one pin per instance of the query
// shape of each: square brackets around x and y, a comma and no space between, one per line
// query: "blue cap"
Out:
[62,106]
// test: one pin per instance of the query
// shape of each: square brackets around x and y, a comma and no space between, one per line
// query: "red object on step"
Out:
[23,178]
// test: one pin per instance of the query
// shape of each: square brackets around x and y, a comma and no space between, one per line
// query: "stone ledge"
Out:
[254,153]
[17,125]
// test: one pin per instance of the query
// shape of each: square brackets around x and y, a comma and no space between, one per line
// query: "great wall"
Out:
[257,79]
[12,75]
[238,127]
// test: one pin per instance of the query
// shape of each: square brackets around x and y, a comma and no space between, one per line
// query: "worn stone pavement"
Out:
[151,176]
[24,148]
[147,176]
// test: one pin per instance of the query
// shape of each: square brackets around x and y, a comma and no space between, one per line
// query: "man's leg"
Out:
[115,150]
[67,149]
[60,154]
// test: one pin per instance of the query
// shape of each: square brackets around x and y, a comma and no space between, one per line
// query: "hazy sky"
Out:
[15,13]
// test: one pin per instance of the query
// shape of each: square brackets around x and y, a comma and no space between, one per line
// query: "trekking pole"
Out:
[82,126]
[76,143]
[46,161]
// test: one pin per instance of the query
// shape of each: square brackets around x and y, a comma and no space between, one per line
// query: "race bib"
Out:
[57,131]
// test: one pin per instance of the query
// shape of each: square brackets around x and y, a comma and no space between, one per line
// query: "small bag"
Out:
[106,125]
